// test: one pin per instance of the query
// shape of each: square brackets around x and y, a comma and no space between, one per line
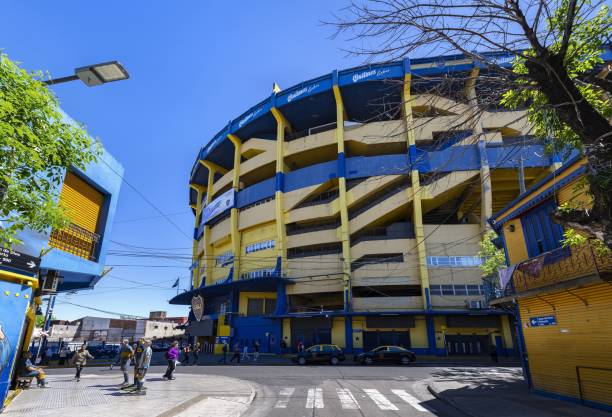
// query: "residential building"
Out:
[348,209]
[562,295]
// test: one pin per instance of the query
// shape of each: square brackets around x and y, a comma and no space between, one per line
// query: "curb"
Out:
[449,402]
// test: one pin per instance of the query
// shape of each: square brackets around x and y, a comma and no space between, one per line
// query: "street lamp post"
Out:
[96,74]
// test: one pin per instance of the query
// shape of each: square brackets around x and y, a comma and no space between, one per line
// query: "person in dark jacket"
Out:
[186,351]
[172,355]
[236,353]
[197,348]
[223,359]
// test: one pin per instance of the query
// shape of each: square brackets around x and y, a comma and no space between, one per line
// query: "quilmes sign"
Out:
[224,202]
[542,321]
[372,73]
[301,91]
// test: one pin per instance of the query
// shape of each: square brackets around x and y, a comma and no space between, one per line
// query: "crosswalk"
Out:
[348,399]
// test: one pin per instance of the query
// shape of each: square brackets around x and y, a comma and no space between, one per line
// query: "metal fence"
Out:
[76,240]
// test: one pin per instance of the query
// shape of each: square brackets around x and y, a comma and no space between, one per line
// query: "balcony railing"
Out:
[76,240]
[560,265]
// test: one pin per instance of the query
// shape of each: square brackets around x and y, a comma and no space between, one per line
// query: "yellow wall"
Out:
[575,194]
[219,272]
[515,242]
[582,337]
[338,334]
[244,299]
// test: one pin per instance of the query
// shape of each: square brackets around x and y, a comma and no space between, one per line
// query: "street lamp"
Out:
[96,74]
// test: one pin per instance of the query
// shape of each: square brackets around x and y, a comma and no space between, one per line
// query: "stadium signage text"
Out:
[301,91]
[218,205]
[368,74]
[249,116]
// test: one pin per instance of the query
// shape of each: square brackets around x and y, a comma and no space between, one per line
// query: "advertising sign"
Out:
[542,321]
[222,339]
[14,301]
[224,202]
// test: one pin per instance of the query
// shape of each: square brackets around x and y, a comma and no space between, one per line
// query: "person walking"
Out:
[142,367]
[494,355]
[186,351]
[138,350]
[236,354]
[224,351]
[255,350]
[196,353]
[125,356]
[79,360]
[172,356]
[245,352]
[63,354]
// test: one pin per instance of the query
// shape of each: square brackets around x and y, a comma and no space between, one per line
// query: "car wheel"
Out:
[405,360]
[302,361]
[367,360]
[334,360]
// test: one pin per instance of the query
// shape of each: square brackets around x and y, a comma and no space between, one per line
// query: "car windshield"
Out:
[397,349]
[313,349]
[380,349]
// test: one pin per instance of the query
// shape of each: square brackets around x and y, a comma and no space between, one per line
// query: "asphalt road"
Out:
[328,391]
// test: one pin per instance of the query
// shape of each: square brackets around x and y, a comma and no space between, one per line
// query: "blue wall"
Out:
[105,175]
[248,329]
[14,300]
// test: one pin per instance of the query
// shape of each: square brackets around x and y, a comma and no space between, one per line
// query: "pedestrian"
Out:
[236,353]
[224,351]
[27,369]
[245,352]
[142,366]
[138,350]
[79,360]
[62,356]
[196,353]
[186,351]
[494,355]
[125,356]
[300,346]
[172,356]
[255,350]
[283,346]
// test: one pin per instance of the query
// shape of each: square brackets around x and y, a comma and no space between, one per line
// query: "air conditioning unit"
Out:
[476,305]
[50,282]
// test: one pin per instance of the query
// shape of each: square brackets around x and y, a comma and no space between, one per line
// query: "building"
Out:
[562,295]
[70,259]
[349,209]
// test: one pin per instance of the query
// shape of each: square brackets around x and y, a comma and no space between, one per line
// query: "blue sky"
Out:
[194,65]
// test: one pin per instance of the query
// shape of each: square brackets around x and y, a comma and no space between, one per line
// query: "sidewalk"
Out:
[188,395]
[501,392]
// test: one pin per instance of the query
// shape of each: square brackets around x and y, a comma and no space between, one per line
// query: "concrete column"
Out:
[281,237]
[345,234]
[234,214]
[486,200]
[208,249]
[195,278]
[415,191]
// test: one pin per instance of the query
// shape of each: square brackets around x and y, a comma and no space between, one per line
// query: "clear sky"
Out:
[193,65]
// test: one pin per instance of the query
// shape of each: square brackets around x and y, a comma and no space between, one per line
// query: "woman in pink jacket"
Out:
[172,356]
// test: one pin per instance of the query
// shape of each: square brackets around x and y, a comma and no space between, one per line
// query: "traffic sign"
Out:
[542,321]
[19,261]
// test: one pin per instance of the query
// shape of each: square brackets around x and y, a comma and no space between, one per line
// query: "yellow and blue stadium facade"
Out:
[348,209]
[562,295]
[74,256]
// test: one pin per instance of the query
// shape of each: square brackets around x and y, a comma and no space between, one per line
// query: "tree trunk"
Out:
[595,134]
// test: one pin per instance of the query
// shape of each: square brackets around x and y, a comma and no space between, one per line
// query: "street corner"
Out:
[188,395]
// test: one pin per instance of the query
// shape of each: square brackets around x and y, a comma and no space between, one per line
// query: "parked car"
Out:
[386,354]
[320,354]
[160,347]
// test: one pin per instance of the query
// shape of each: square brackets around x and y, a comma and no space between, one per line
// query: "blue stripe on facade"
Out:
[412,154]
[280,182]
[341,165]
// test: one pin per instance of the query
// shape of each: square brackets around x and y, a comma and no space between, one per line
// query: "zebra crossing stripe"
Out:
[285,395]
[347,400]
[409,399]
[380,400]
[314,398]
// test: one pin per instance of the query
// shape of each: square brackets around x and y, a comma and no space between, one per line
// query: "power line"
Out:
[162,214]
[100,310]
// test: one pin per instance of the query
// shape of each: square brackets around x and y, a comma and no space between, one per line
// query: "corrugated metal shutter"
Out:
[573,355]
[82,202]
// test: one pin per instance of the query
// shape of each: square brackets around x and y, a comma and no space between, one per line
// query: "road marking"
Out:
[315,398]
[347,399]
[285,395]
[409,399]
[380,400]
